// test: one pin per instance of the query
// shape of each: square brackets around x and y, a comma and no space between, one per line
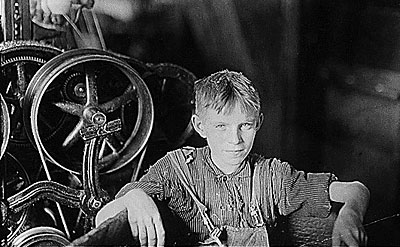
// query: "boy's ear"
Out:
[198,125]
[260,121]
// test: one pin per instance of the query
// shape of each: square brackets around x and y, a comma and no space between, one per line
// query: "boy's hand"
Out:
[49,12]
[40,13]
[143,216]
[348,229]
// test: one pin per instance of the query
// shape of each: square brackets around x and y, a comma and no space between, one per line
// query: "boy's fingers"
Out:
[350,239]
[87,3]
[32,7]
[134,230]
[46,18]
[362,236]
[151,234]
[160,233]
[335,240]
[38,14]
[142,234]
[38,4]
[56,19]
[365,240]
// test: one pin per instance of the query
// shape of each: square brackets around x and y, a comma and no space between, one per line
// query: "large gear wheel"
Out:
[4,126]
[41,236]
[78,82]
[172,89]
[13,179]
[19,61]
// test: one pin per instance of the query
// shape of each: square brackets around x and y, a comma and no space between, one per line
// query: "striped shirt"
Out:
[228,196]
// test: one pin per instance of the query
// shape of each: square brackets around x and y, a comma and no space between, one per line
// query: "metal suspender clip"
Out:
[255,212]
[214,237]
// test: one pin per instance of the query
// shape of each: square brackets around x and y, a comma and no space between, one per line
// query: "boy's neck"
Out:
[228,169]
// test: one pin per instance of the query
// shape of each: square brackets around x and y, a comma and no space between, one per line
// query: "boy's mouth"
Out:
[236,151]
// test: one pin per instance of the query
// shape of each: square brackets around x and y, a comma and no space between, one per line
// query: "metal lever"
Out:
[94,196]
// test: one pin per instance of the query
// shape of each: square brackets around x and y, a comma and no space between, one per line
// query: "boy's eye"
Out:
[220,126]
[246,126]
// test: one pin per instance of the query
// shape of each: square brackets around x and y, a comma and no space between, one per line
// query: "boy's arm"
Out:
[137,198]
[143,217]
[348,227]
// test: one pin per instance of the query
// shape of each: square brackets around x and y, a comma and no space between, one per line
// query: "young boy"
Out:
[226,195]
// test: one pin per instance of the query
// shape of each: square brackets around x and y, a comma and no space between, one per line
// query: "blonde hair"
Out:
[222,90]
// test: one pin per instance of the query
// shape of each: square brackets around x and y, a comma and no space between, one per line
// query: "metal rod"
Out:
[98,30]
[46,169]
[75,28]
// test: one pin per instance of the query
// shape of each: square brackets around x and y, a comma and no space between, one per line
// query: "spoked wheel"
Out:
[13,178]
[172,89]
[75,84]
[41,236]
[4,126]
[19,62]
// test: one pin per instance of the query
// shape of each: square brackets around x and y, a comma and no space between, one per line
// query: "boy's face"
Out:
[229,136]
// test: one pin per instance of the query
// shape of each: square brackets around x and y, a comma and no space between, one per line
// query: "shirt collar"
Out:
[242,171]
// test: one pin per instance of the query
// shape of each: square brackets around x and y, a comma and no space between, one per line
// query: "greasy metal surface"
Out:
[111,86]
[4,126]
[45,189]
[19,61]
[15,179]
[41,236]
[94,196]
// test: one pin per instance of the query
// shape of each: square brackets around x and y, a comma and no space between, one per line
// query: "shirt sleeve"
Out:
[155,183]
[295,190]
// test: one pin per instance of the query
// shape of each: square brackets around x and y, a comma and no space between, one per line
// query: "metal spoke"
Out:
[11,100]
[74,136]
[113,143]
[91,88]
[21,82]
[43,121]
[103,153]
[70,107]
[15,120]
[117,102]
[105,157]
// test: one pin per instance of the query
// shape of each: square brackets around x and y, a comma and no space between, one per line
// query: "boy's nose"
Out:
[234,136]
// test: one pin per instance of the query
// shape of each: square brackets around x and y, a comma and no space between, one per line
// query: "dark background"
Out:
[327,71]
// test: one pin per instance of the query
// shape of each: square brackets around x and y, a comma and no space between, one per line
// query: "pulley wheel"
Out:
[172,89]
[14,179]
[4,126]
[19,61]
[41,236]
[79,81]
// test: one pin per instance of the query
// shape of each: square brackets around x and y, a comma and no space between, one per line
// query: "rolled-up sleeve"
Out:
[155,183]
[295,190]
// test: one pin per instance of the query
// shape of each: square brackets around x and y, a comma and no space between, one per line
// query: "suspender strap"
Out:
[180,165]
[263,191]
[256,189]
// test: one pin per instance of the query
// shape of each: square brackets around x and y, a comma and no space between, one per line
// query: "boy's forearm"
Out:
[354,195]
